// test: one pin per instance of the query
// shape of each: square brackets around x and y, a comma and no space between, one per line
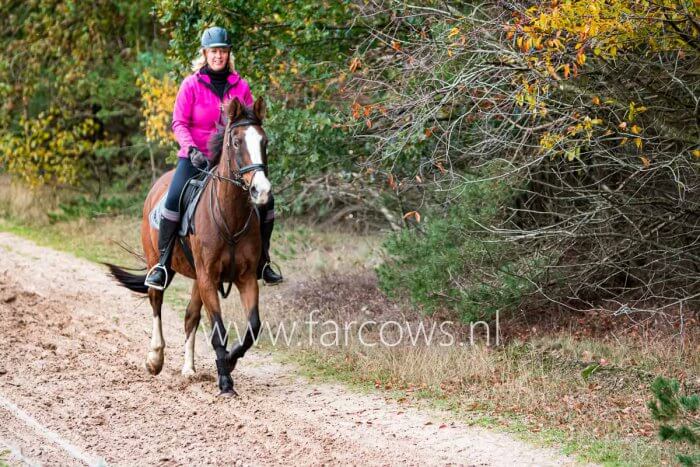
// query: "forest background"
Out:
[513,155]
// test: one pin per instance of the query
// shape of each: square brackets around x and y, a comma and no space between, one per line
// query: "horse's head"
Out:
[244,153]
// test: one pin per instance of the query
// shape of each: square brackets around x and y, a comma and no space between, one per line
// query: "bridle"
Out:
[236,176]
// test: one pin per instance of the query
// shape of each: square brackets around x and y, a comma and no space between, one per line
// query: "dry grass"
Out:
[535,377]
[29,205]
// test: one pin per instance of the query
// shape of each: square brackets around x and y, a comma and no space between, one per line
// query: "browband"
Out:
[246,122]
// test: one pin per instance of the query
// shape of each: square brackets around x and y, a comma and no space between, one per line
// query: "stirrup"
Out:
[262,274]
[151,284]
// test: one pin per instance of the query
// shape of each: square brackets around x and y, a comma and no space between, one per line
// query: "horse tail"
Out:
[134,282]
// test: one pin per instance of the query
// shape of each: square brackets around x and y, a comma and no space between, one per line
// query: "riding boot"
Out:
[265,271]
[158,275]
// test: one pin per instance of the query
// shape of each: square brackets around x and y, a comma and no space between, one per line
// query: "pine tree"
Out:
[679,417]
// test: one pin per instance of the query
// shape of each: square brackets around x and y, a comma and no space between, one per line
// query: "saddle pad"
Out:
[193,190]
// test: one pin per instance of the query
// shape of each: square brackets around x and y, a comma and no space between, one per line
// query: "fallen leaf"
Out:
[414,214]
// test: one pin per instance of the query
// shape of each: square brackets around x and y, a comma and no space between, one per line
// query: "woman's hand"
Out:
[198,159]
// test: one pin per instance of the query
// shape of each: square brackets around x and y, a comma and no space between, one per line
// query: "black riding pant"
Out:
[184,171]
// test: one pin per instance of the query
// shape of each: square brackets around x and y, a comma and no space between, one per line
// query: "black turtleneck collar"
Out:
[218,79]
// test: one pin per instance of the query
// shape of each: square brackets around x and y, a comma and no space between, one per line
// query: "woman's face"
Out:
[217,57]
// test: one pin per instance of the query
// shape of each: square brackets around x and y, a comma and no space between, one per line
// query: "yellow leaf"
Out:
[553,73]
[596,100]
[638,142]
[696,153]
[453,32]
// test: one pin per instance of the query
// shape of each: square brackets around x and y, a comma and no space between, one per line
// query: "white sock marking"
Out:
[188,367]
[157,341]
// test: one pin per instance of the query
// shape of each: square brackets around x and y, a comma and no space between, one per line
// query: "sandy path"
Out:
[72,346]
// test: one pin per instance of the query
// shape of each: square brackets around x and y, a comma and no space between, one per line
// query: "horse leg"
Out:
[192,316]
[248,288]
[154,360]
[219,334]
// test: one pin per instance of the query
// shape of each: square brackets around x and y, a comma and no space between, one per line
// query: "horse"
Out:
[225,245]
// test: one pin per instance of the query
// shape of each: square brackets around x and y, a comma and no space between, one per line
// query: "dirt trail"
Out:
[73,390]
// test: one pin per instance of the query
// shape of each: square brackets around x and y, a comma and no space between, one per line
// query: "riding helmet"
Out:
[215,37]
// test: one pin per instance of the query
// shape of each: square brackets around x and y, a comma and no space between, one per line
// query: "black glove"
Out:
[198,159]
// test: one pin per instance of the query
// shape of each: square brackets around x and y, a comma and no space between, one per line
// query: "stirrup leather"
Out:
[153,285]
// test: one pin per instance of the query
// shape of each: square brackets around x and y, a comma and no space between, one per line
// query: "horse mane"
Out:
[216,145]
[216,142]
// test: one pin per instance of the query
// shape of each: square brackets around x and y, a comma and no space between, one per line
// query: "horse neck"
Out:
[232,199]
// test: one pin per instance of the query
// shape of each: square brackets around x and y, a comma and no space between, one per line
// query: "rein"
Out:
[235,178]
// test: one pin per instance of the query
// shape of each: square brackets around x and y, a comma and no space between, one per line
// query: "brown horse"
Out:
[226,244]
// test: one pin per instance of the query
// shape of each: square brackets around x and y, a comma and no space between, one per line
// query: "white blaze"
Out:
[253,141]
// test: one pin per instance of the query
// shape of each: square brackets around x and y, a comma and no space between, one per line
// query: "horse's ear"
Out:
[235,109]
[259,108]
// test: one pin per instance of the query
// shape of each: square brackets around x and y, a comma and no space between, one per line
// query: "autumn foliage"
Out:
[157,102]
[586,110]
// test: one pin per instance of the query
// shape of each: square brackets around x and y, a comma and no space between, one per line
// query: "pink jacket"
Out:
[198,110]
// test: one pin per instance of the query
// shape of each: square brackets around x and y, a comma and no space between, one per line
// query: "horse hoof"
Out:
[228,393]
[154,362]
[226,384]
[187,372]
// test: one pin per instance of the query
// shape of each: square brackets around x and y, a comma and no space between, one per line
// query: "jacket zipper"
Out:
[221,99]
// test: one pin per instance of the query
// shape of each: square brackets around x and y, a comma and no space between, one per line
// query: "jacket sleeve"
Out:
[247,95]
[182,116]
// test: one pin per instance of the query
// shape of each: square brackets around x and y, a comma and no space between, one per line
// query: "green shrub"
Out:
[679,417]
[452,261]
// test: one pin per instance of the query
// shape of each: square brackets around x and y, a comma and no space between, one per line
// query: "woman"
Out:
[199,108]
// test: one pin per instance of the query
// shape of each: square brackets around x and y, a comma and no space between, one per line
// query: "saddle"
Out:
[189,199]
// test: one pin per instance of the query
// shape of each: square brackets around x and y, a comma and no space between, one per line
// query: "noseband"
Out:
[236,176]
